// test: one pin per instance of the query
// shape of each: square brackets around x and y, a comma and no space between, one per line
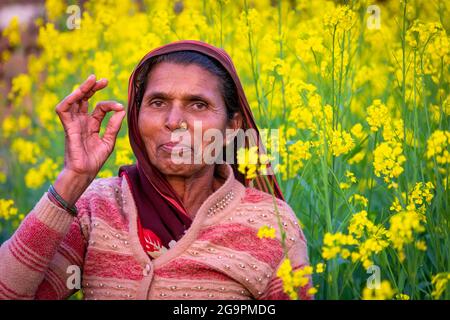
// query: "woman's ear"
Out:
[236,122]
[233,124]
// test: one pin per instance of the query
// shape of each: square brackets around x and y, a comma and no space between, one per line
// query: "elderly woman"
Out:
[161,229]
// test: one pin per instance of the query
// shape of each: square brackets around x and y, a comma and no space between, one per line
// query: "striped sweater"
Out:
[219,257]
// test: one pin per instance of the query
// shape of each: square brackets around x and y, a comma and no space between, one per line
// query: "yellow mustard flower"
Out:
[384,292]
[358,157]
[340,19]
[341,142]
[26,151]
[46,171]
[7,209]
[266,232]
[54,8]
[403,226]
[250,163]
[402,296]
[358,199]
[320,267]
[357,131]
[388,161]
[12,32]
[439,282]
[438,147]
[377,115]
[312,291]
[21,86]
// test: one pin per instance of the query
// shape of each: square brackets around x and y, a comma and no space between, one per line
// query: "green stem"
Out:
[372,173]
[283,96]
[280,225]
[252,58]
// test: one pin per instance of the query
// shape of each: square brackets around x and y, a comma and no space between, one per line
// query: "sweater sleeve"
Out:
[43,254]
[298,256]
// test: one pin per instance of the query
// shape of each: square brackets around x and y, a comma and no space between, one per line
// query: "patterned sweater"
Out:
[219,257]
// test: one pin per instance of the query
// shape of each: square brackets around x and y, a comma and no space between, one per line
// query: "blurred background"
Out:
[359,91]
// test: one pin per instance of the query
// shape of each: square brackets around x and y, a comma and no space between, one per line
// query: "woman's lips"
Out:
[174,147]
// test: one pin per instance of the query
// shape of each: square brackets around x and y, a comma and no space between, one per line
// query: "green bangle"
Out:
[71,209]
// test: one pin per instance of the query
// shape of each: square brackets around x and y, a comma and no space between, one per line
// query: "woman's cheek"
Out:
[147,122]
[213,136]
[148,129]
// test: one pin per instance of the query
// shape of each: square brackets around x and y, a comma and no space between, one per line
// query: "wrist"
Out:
[56,198]
[70,185]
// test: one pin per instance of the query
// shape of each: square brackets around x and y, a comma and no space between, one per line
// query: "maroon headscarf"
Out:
[159,207]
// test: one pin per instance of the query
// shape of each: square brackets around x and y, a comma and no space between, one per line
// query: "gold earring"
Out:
[183,125]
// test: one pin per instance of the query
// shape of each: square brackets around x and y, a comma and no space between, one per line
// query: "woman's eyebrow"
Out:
[157,95]
[186,97]
[196,97]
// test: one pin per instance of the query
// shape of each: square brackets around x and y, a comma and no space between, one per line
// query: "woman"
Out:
[161,229]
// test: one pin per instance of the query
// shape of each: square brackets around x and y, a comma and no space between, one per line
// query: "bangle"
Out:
[53,199]
[71,209]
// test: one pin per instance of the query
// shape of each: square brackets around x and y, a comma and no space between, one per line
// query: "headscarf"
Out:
[159,208]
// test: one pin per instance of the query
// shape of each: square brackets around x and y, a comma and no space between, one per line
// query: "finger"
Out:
[99,85]
[82,90]
[100,111]
[85,88]
[113,128]
[66,104]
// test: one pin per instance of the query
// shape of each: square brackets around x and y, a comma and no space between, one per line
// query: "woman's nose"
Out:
[173,118]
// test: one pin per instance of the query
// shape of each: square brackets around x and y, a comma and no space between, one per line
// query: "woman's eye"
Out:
[199,106]
[156,104]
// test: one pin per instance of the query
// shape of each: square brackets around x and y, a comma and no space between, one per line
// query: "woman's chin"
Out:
[169,168]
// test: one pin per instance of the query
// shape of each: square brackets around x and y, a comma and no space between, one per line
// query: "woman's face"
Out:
[177,93]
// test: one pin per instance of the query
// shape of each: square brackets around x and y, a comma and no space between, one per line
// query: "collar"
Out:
[225,198]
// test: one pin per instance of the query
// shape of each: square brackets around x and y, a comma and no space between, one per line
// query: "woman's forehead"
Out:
[170,77]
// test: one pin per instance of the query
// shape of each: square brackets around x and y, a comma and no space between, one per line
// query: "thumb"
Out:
[113,127]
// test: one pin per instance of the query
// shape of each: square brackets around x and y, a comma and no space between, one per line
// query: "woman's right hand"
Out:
[85,151]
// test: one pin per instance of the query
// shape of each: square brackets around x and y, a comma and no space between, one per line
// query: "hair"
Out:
[186,57]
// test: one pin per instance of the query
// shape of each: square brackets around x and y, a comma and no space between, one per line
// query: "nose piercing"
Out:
[183,125]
